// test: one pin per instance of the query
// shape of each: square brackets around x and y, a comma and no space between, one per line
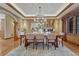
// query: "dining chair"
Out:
[30,38]
[39,39]
[61,38]
[51,38]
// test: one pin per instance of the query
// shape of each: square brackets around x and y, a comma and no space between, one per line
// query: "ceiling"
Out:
[47,9]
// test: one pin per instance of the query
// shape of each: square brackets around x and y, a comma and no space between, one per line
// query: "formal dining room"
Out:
[39,29]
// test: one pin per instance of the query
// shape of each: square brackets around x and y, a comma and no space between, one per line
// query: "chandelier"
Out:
[39,16]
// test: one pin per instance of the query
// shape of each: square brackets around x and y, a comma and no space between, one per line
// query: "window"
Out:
[70,25]
[77,25]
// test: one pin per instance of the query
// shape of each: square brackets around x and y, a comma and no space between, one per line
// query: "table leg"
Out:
[62,42]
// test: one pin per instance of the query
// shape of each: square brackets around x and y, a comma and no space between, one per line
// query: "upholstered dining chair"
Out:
[30,38]
[61,38]
[51,38]
[39,39]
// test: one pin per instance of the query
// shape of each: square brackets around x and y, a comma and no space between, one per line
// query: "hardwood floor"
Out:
[9,44]
[72,47]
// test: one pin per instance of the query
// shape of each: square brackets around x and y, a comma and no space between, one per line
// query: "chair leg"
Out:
[52,44]
[59,42]
[48,46]
[26,47]
[20,41]
[33,45]
[36,45]
[55,46]
[62,43]
[43,45]
[25,44]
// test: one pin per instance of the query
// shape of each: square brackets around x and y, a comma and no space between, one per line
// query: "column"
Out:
[64,28]
[15,32]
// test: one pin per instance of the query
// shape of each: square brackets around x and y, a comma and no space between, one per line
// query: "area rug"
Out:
[22,51]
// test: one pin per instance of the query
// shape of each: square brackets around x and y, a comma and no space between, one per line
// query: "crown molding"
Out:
[65,9]
[13,7]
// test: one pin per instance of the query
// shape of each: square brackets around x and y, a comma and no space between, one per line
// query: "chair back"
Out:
[51,36]
[30,36]
[39,36]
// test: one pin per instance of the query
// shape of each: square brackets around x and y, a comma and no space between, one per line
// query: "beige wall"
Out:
[26,24]
[58,25]
[2,16]
[8,27]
